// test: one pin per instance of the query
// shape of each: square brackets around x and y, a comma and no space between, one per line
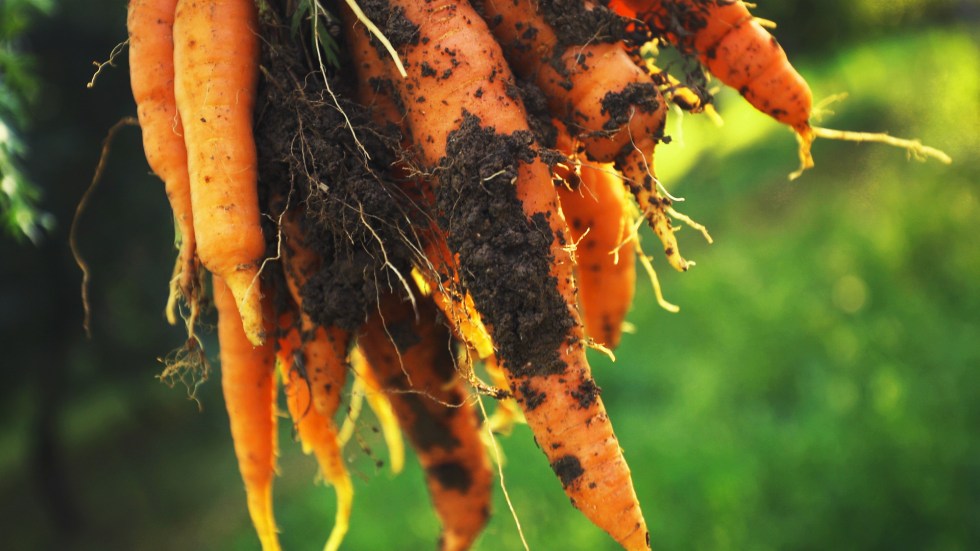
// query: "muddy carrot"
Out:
[470,126]
[410,353]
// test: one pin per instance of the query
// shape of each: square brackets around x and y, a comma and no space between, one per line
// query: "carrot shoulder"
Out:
[500,214]
[151,70]
[216,69]
[248,384]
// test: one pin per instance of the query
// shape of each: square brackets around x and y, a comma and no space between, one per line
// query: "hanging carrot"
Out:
[315,429]
[604,251]
[151,62]
[216,69]
[410,354]
[739,51]
[248,383]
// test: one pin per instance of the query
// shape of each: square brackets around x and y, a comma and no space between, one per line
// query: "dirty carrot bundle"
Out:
[437,184]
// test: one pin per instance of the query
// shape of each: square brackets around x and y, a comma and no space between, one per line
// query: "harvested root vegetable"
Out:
[498,207]
[390,146]
[216,50]
[739,51]
[151,56]
[605,255]
[410,355]
[249,386]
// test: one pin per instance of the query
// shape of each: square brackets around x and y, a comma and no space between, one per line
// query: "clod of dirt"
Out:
[504,254]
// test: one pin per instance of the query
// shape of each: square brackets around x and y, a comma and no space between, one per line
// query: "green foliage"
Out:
[319,20]
[18,196]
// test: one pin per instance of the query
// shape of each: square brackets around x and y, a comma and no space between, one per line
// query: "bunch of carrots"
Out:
[398,191]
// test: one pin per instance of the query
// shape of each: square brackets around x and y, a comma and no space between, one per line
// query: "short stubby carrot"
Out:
[248,384]
[315,429]
[216,70]
[151,72]
[604,250]
[499,211]
[410,354]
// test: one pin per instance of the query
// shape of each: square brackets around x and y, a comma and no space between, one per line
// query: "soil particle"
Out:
[574,24]
[568,468]
[530,397]
[619,106]
[396,27]
[451,475]
[504,254]
[586,393]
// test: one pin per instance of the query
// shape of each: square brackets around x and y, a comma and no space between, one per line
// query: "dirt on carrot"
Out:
[360,224]
[505,257]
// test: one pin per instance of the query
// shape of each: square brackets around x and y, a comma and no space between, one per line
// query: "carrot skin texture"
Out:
[598,223]
[216,52]
[574,434]
[151,70]
[248,384]
[421,380]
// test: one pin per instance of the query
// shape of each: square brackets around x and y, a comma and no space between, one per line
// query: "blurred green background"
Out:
[818,390]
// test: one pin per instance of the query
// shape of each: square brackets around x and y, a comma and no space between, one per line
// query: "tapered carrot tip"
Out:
[345,498]
[260,509]
[244,286]
[453,540]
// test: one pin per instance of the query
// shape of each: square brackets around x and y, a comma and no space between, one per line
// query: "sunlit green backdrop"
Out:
[819,388]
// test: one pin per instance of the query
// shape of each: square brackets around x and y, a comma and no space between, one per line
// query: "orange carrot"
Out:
[325,348]
[500,215]
[737,50]
[151,62]
[216,70]
[315,429]
[248,383]
[604,251]
[602,96]
[411,356]
[439,276]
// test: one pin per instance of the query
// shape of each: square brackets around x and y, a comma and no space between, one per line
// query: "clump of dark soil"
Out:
[358,222]
[504,255]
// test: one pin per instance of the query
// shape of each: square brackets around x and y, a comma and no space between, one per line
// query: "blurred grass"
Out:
[818,390]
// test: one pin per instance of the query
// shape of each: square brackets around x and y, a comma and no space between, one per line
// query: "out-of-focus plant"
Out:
[18,85]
